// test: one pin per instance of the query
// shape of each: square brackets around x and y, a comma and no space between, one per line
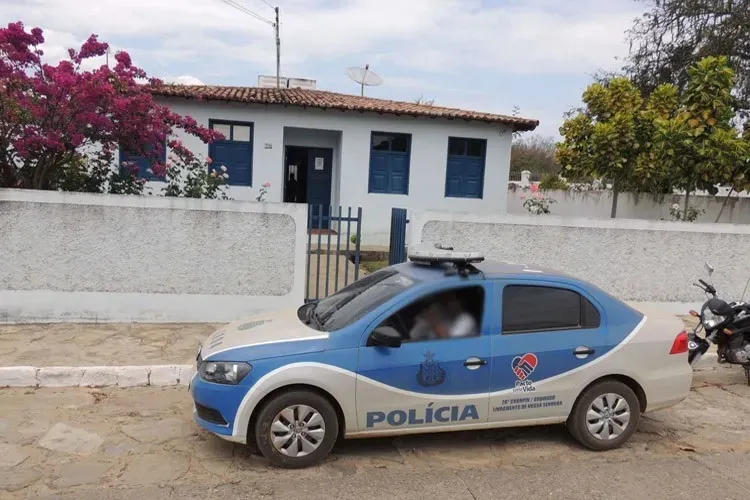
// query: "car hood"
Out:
[268,329]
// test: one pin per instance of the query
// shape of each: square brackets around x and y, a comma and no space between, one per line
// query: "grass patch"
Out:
[372,266]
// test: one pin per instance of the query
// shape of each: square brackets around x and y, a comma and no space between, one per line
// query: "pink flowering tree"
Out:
[61,125]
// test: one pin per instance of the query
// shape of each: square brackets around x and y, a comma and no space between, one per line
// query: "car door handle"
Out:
[474,363]
[583,352]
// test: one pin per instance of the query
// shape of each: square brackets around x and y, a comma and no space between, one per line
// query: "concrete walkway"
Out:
[116,344]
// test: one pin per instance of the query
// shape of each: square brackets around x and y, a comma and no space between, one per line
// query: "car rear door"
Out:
[428,383]
[549,331]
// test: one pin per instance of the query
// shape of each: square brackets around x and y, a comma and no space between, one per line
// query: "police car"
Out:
[546,349]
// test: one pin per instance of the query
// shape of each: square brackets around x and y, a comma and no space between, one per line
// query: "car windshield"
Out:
[357,299]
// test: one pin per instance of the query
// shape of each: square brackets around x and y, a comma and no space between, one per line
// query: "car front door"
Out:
[548,333]
[425,384]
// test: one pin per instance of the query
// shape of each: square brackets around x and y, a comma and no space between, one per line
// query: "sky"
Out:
[484,55]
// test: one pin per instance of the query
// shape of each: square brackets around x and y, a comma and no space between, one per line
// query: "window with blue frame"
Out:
[143,162]
[389,163]
[235,152]
[464,177]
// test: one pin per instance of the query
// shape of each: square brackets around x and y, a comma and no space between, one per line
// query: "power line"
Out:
[268,3]
[276,25]
[249,12]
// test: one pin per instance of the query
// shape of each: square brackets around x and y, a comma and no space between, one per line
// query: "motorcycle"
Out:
[726,324]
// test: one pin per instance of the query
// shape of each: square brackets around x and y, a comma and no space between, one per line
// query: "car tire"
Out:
[598,417]
[306,419]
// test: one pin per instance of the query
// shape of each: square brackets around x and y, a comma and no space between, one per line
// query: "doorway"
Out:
[308,174]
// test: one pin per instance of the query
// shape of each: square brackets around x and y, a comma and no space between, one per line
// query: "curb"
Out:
[96,376]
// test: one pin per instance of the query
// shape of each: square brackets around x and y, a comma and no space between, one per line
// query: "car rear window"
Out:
[533,308]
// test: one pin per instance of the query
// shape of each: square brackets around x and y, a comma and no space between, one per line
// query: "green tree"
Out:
[699,147]
[610,137]
[674,35]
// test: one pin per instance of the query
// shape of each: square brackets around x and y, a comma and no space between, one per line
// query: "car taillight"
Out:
[680,344]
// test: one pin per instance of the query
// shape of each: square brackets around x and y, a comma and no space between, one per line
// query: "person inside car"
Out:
[444,318]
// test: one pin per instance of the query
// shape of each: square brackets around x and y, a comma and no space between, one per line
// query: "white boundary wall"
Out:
[88,257]
[636,260]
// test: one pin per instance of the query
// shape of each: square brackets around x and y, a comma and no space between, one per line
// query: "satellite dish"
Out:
[364,76]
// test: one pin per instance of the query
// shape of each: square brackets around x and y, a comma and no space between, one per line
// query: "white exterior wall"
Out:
[428,159]
[598,204]
[95,257]
[635,260]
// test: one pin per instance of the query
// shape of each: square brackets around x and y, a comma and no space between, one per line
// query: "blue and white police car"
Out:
[545,348]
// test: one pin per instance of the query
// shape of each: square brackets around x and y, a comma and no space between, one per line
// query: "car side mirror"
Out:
[385,336]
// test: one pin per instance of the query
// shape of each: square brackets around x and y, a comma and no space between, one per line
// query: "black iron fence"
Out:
[333,250]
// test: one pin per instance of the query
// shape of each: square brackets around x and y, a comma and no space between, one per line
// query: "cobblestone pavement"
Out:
[141,443]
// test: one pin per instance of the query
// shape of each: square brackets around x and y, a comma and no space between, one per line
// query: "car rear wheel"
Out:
[605,416]
[296,429]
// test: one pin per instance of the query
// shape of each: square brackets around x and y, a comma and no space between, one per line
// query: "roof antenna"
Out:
[364,76]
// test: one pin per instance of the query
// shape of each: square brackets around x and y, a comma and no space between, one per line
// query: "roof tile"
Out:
[331,100]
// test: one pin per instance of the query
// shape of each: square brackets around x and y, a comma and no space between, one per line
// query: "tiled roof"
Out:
[331,100]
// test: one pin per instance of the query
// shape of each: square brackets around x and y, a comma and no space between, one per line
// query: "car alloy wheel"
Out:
[296,428]
[608,416]
[605,415]
[297,431]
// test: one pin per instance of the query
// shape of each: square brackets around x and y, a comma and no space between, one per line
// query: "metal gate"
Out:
[333,250]
[399,220]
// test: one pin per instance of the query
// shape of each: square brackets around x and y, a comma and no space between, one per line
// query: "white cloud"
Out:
[529,36]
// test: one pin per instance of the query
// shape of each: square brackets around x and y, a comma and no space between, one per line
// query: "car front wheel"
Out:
[605,416]
[296,429]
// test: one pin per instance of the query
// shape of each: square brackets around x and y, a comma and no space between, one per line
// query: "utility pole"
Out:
[277,27]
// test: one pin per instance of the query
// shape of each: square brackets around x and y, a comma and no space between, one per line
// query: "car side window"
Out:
[453,313]
[534,308]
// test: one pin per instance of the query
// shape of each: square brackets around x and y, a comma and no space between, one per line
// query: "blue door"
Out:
[427,383]
[319,177]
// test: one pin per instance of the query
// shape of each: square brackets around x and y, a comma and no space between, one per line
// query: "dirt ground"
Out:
[142,443]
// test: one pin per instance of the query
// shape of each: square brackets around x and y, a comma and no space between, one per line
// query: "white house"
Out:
[352,151]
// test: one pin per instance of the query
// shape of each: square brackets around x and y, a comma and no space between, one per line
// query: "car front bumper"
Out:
[215,407]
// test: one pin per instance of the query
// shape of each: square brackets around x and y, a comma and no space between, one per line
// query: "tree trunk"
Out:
[687,201]
[723,205]
[615,195]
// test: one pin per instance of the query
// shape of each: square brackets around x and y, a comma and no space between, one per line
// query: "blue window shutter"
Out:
[389,165]
[378,172]
[236,156]
[464,176]
[453,178]
[143,163]
[398,171]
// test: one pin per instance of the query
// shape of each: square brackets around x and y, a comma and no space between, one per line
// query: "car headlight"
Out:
[224,372]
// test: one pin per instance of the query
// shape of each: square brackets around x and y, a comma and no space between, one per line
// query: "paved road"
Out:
[141,443]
